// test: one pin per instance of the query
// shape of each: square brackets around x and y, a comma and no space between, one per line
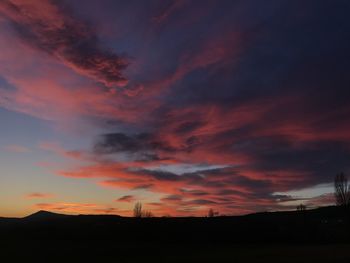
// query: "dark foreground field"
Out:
[102,251]
[320,235]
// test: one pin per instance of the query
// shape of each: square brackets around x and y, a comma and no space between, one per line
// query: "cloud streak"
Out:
[48,27]
[39,195]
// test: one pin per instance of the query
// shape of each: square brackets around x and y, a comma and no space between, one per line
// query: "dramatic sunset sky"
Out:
[237,105]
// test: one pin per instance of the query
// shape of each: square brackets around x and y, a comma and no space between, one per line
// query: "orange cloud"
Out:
[78,208]
[39,195]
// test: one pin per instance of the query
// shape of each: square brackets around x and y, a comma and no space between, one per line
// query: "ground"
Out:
[103,251]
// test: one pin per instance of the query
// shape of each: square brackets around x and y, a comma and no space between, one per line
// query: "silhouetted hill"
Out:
[319,235]
[44,215]
[4,220]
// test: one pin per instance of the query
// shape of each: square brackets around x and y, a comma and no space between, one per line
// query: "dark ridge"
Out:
[45,215]
[322,225]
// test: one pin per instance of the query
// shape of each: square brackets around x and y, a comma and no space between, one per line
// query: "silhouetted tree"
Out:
[147,214]
[138,209]
[138,212]
[342,190]
[211,213]
[167,216]
[301,207]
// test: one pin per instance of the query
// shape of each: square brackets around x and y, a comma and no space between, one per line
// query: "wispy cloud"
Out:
[39,195]
[50,28]
[126,198]
[17,148]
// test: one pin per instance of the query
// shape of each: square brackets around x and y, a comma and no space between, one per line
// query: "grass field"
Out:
[103,251]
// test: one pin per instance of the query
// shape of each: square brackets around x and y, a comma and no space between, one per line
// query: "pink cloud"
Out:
[44,23]
[56,148]
[39,195]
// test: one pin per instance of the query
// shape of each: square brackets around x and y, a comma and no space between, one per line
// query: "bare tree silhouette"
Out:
[211,213]
[138,210]
[147,214]
[301,207]
[342,190]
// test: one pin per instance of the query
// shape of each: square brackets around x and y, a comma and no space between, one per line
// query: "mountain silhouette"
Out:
[45,215]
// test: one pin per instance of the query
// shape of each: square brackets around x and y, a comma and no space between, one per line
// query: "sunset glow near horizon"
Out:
[239,106]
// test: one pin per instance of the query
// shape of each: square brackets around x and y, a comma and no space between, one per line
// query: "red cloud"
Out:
[39,195]
[192,192]
[126,198]
[46,27]
[240,187]
[42,88]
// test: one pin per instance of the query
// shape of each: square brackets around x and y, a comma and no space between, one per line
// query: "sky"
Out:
[240,106]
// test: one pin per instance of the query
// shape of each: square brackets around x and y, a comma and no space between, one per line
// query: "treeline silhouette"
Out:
[328,224]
